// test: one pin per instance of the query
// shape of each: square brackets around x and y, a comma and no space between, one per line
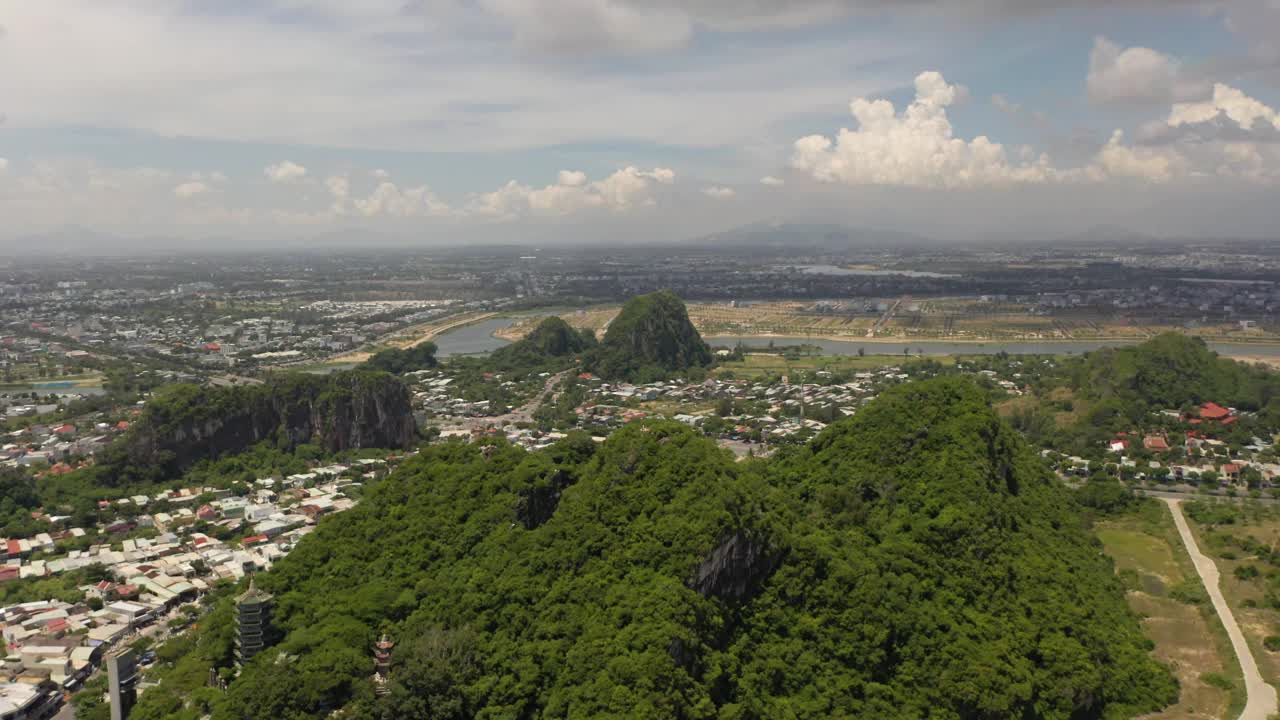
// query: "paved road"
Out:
[1178,495]
[522,414]
[1261,702]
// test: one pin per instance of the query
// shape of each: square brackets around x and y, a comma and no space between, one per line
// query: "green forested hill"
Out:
[551,341]
[651,337]
[1173,370]
[914,561]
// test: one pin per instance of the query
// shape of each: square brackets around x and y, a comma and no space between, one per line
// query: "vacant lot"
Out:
[952,319]
[1187,637]
[596,319]
[1247,595]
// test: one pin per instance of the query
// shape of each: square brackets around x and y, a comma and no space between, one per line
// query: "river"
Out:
[473,339]
[851,347]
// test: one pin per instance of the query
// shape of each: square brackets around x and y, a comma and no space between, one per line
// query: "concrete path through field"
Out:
[1261,702]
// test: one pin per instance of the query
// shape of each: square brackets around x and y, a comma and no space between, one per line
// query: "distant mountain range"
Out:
[808,236]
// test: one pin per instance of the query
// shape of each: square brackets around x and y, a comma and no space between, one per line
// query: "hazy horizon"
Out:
[614,121]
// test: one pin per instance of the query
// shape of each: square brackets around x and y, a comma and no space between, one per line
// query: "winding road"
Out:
[1261,703]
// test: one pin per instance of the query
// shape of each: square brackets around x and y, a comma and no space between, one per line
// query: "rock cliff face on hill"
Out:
[652,336]
[342,411]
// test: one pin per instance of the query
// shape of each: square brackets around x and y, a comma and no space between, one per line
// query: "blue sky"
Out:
[502,119]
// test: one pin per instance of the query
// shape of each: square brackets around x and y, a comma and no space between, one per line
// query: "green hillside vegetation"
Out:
[1118,390]
[551,345]
[1174,370]
[651,338]
[398,362]
[916,560]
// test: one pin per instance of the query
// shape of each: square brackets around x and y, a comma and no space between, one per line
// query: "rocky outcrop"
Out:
[736,569]
[651,335]
[539,503]
[341,411]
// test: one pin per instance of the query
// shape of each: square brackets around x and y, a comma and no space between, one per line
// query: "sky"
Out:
[183,123]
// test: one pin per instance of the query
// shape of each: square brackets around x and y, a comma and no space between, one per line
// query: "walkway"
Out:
[1261,702]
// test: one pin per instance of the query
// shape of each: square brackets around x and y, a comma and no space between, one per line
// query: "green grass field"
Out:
[1188,638]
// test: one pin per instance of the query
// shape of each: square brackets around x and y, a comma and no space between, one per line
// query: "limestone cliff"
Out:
[341,411]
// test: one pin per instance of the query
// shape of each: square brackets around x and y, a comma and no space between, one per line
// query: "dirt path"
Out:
[1261,702]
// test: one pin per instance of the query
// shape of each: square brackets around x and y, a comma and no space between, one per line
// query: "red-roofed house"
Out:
[1118,446]
[1231,471]
[1214,411]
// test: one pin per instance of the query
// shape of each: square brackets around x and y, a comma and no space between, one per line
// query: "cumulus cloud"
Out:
[719,192]
[390,200]
[625,189]
[915,149]
[1227,102]
[1138,75]
[340,189]
[190,189]
[772,181]
[4,164]
[1118,160]
[285,172]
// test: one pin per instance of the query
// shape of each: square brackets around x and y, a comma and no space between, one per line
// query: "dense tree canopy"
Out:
[1173,370]
[650,338]
[915,560]
[398,362]
[553,340]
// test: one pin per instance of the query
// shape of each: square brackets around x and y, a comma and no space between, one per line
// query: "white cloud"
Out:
[572,178]
[308,83]
[284,172]
[564,26]
[1138,75]
[772,181]
[625,189]
[1228,102]
[1152,164]
[4,164]
[380,174]
[719,192]
[390,200]
[914,149]
[340,189]
[190,189]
